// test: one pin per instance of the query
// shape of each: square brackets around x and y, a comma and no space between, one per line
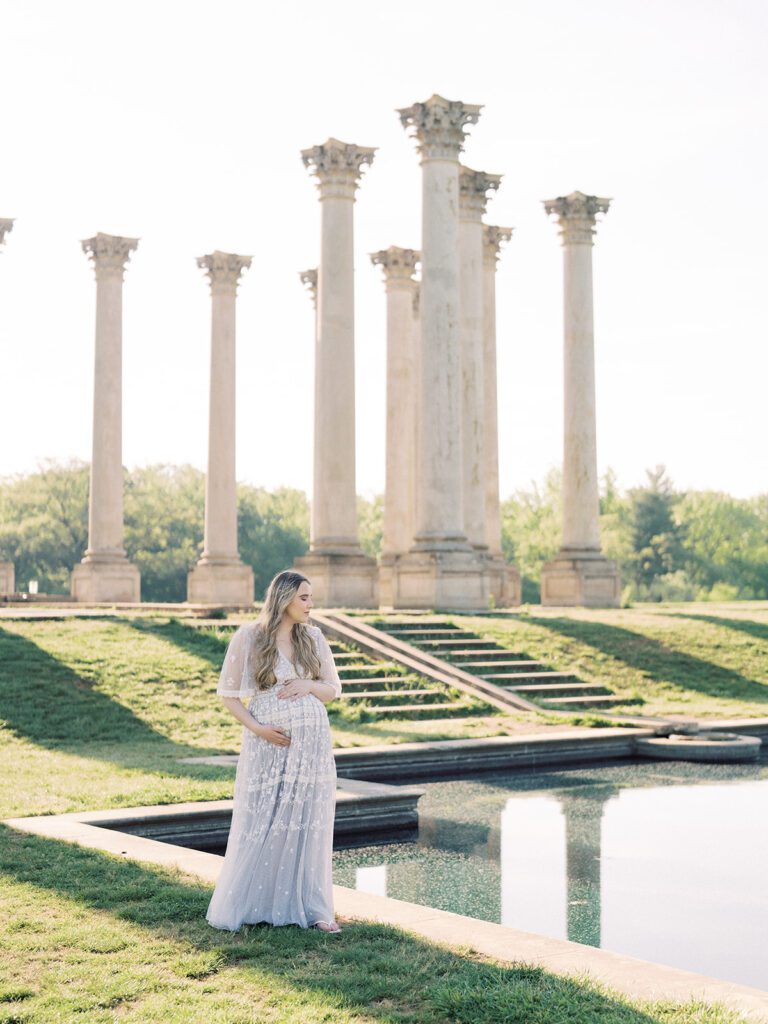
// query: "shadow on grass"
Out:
[657,661]
[758,630]
[373,970]
[202,643]
[45,701]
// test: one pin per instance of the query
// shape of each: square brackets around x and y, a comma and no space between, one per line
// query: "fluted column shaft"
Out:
[402,399]
[473,186]
[220,541]
[438,125]
[110,254]
[576,215]
[493,236]
[333,529]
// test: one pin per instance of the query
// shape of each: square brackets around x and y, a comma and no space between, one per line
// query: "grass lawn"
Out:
[92,938]
[702,660]
[96,714]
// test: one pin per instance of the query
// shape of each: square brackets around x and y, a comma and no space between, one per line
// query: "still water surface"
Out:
[663,861]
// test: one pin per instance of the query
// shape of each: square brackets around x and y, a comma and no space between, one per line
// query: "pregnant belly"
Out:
[305,714]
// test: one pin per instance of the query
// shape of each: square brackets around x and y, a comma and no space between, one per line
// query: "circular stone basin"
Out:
[701,746]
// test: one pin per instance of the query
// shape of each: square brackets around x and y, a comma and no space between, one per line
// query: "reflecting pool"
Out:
[662,861]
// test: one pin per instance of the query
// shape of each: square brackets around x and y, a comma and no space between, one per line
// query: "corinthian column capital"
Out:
[474,187]
[493,238]
[223,270]
[577,216]
[110,253]
[337,167]
[6,227]
[309,279]
[399,265]
[438,125]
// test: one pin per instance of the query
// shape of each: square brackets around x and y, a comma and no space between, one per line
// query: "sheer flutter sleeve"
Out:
[328,673]
[236,679]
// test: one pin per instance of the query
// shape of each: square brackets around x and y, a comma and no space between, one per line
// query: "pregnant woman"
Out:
[277,867]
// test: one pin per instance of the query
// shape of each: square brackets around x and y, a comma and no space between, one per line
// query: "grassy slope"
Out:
[698,660]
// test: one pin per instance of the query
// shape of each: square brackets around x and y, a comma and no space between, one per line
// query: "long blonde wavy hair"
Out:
[280,593]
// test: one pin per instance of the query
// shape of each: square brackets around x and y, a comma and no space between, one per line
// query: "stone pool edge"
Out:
[628,975]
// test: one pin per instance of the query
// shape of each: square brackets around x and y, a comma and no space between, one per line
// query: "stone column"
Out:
[105,574]
[341,574]
[473,197]
[505,578]
[7,582]
[583,813]
[220,577]
[399,266]
[442,570]
[580,574]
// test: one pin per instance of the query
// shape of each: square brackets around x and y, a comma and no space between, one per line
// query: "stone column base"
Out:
[581,578]
[439,580]
[503,582]
[7,578]
[95,581]
[340,580]
[225,582]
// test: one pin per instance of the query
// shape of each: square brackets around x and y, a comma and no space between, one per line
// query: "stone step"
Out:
[409,709]
[529,675]
[430,632]
[552,703]
[488,652]
[496,664]
[379,681]
[365,694]
[544,691]
[372,668]
[452,643]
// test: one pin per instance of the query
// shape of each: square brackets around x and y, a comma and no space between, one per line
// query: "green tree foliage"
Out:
[44,526]
[530,530]
[273,529]
[671,545]
[726,548]
[370,518]
[657,537]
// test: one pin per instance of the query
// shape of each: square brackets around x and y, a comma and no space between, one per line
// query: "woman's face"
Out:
[299,608]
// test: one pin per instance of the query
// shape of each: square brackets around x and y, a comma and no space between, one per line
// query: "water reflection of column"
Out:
[583,817]
[532,860]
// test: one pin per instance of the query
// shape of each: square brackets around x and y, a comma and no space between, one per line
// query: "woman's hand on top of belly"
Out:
[295,688]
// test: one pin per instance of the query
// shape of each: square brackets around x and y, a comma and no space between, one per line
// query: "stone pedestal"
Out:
[581,578]
[340,580]
[580,574]
[220,577]
[442,569]
[399,266]
[216,581]
[105,574]
[7,578]
[333,525]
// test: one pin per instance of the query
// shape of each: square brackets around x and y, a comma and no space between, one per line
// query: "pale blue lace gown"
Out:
[277,867]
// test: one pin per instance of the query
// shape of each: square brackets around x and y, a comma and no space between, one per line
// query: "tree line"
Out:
[672,545]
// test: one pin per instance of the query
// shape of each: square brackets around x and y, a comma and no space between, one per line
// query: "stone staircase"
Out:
[386,689]
[513,671]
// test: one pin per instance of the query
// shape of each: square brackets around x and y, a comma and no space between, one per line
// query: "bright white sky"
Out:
[181,124]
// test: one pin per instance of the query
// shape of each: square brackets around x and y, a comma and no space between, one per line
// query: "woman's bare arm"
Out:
[272,733]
